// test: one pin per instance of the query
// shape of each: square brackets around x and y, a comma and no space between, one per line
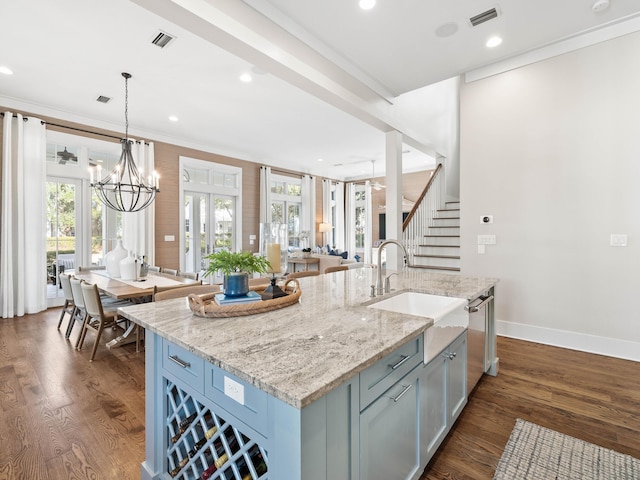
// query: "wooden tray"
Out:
[206,306]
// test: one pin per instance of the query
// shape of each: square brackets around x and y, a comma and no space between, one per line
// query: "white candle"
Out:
[273,257]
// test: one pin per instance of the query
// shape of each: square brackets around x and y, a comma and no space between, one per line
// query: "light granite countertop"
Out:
[303,351]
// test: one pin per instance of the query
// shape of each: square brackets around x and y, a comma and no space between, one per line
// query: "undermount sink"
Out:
[450,318]
[420,304]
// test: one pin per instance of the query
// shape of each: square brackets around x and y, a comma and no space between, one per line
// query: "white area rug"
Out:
[537,453]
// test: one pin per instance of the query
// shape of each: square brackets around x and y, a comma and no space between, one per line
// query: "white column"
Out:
[393,158]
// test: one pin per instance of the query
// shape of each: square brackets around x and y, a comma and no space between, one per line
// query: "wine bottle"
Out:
[184,425]
[200,443]
[213,468]
[258,461]
[179,467]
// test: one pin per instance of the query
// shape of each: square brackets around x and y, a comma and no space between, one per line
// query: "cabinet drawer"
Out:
[238,397]
[375,380]
[184,365]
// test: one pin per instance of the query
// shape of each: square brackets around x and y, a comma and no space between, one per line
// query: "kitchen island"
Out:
[295,393]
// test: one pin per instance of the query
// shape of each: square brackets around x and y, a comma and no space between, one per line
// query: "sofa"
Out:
[334,261]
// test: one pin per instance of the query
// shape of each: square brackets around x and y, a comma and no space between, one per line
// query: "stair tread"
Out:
[426,255]
[442,236]
[448,210]
[446,218]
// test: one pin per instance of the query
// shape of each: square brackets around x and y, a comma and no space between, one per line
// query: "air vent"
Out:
[103,99]
[484,17]
[162,39]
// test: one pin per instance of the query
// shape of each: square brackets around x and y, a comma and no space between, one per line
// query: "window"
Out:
[286,207]
[212,196]
[360,216]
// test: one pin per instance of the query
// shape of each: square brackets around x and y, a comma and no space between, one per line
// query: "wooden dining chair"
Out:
[339,268]
[169,271]
[69,307]
[80,312]
[190,275]
[178,292]
[97,318]
[309,273]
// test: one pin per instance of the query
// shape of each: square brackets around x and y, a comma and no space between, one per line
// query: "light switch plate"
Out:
[169,238]
[618,240]
[486,239]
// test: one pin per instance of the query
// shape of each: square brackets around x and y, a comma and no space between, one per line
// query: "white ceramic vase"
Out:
[129,268]
[112,260]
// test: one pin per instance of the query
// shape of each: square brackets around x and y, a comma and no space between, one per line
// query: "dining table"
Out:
[135,291]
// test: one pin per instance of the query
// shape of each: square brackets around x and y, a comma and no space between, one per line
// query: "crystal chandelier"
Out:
[124,188]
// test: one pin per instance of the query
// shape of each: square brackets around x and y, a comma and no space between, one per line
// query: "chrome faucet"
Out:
[380,288]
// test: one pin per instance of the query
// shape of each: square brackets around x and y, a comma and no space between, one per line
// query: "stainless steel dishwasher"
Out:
[478,360]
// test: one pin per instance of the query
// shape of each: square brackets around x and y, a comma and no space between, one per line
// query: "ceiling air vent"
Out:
[483,17]
[103,99]
[162,39]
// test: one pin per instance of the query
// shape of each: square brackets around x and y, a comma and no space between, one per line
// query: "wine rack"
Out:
[203,445]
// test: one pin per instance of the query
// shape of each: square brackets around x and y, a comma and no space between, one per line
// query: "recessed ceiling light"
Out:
[494,42]
[6,70]
[367,4]
[321,159]
[246,78]
[173,118]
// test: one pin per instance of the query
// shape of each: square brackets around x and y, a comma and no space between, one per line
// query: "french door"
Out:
[64,233]
[209,221]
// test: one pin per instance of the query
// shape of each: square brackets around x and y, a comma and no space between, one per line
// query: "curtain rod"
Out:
[25,118]
[287,172]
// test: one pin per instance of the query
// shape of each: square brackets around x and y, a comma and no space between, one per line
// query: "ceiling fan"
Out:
[65,156]
[375,184]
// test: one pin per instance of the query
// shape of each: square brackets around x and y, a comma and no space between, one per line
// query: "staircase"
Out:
[440,249]
[431,231]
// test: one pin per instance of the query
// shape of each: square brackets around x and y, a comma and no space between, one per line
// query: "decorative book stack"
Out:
[222,299]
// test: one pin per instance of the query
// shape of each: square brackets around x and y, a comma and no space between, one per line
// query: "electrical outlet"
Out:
[234,390]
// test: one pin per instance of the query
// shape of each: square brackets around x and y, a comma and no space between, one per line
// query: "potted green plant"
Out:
[306,252]
[235,268]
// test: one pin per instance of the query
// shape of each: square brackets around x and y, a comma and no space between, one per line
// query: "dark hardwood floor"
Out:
[62,417]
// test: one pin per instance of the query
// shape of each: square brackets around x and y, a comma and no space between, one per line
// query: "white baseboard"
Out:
[611,347]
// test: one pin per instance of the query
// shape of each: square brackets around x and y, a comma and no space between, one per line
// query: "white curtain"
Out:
[138,228]
[327,216]
[339,220]
[265,194]
[308,213]
[350,219]
[368,234]
[23,265]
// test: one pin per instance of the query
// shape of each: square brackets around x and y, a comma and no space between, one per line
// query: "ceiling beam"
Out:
[241,30]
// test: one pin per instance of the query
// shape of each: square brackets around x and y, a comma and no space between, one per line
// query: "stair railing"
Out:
[421,216]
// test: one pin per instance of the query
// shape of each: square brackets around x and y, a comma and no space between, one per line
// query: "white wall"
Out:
[552,150]
[435,108]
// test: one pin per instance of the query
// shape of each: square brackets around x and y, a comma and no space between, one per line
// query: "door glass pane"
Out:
[277,212]
[106,224]
[196,243]
[61,232]
[293,224]
[223,222]
[361,225]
